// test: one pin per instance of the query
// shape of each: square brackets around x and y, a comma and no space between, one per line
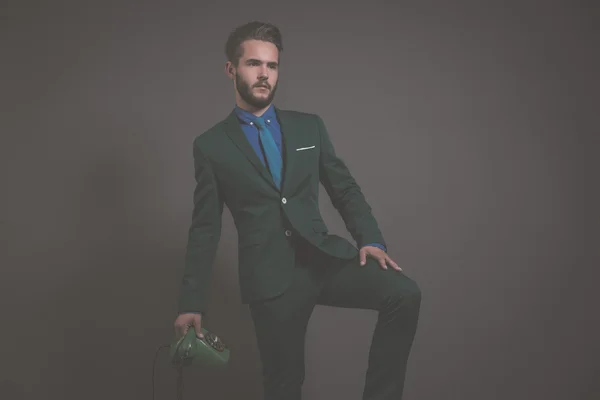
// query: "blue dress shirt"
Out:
[246,119]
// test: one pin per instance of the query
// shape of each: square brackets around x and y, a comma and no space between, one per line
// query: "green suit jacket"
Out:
[228,172]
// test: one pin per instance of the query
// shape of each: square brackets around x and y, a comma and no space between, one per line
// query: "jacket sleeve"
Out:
[345,194]
[203,235]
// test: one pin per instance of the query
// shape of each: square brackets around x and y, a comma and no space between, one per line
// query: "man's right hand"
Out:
[184,321]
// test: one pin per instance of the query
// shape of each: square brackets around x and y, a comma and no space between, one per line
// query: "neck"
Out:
[245,106]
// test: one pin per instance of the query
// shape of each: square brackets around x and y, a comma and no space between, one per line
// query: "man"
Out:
[266,165]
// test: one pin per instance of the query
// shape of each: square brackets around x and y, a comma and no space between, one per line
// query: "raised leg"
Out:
[397,299]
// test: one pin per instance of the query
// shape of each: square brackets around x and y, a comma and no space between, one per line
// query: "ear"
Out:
[230,70]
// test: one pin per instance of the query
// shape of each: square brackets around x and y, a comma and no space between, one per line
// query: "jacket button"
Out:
[288,233]
[284,200]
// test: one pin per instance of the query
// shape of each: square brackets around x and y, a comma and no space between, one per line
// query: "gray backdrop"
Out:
[469,127]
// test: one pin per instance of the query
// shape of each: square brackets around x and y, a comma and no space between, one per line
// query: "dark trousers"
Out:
[281,322]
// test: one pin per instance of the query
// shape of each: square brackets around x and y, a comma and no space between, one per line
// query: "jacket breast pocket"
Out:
[307,153]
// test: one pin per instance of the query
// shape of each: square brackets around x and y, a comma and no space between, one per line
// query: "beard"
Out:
[245,91]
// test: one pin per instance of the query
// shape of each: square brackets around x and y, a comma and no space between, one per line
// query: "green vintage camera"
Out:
[190,350]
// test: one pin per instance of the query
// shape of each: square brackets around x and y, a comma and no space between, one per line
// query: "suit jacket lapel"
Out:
[235,132]
[290,133]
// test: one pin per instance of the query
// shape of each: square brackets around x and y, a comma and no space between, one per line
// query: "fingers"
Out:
[184,322]
[198,326]
[385,260]
[363,256]
[393,264]
[382,258]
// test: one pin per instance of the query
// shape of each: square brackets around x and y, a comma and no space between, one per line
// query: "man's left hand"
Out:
[379,255]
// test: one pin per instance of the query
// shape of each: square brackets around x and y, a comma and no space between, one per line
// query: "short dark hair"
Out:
[252,30]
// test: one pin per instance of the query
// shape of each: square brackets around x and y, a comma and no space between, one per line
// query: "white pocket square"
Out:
[305,148]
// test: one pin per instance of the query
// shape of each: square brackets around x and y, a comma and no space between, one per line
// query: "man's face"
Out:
[256,75]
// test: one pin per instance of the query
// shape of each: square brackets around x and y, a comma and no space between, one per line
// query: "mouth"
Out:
[261,87]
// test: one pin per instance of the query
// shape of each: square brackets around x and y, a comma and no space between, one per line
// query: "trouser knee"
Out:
[406,293]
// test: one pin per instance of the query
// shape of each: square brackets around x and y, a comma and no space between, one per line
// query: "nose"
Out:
[264,73]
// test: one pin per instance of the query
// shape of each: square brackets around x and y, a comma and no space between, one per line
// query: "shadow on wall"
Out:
[118,302]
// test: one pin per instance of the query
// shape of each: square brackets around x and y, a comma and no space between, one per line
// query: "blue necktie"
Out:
[272,154]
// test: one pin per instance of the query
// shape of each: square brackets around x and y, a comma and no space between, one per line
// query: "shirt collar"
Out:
[246,117]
